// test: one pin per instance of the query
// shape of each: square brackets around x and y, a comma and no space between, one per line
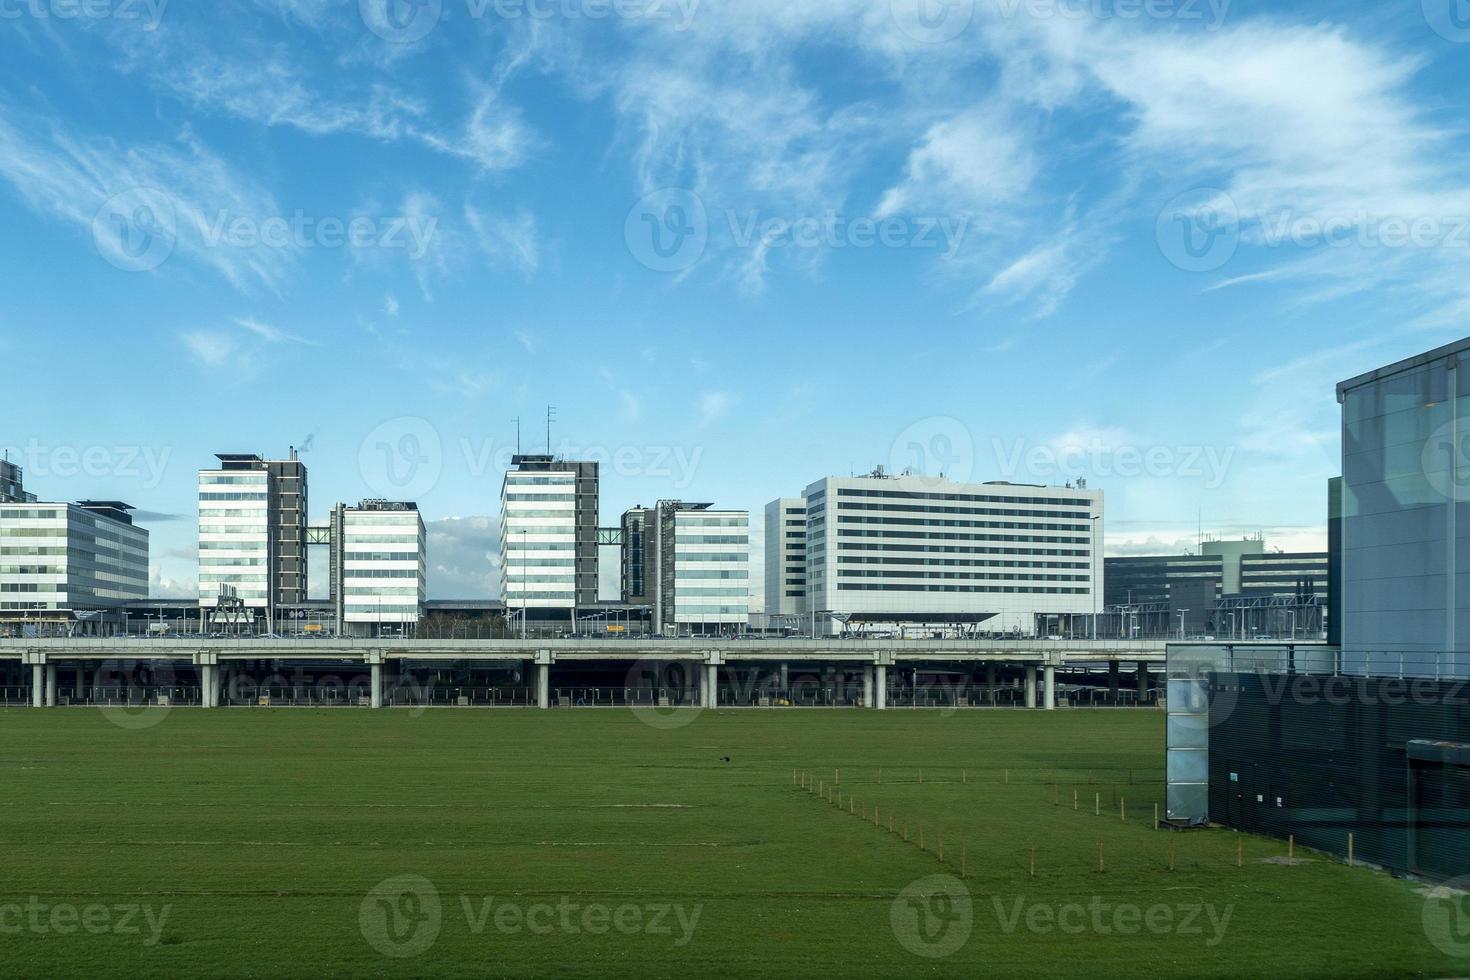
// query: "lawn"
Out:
[291,842]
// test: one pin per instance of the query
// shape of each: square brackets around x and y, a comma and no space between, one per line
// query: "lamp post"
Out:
[1181,622]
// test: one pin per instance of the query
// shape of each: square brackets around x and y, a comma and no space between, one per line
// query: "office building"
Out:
[697,568]
[252,537]
[785,557]
[1156,578]
[1285,574]
[12,489]
[1405,520]
[378,568]
[548,537]
[926,550]
[60,562]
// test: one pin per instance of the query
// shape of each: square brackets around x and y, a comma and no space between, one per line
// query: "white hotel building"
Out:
[923,549]
[379,568]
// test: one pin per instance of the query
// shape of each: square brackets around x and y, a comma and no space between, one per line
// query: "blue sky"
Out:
[739,245]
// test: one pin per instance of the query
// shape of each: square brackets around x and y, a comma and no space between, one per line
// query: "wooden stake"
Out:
[921,777]
[1290,849]
[964,777]
[1240,853]
[1101,864]
[1033,862]
[1122,810]
[865,811]
[849,805]
[941,848]
[1156,816]
[1097,804]
[1350,848]
[890,823]
[921,838]
[1008,777]
[1074,800]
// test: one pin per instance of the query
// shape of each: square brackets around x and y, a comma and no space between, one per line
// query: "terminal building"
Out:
[903,550]
[67,569]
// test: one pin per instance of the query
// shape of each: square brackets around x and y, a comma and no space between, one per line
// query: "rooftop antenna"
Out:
[517,421]
[550,417]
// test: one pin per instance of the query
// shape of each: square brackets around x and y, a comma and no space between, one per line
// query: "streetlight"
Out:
[1181,622]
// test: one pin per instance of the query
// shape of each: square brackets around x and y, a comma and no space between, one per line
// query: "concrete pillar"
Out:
[543,686]
[711,686]
[880,688]
[867,687]
[990,682]
[1113,681]
[377,686]
[209,681]
[1143,682]
[81,682]
[1030,685]
[785,679]
[1051,688]
[51,685]
[38,686]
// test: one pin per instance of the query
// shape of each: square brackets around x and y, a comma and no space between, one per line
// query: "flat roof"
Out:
[1407,364]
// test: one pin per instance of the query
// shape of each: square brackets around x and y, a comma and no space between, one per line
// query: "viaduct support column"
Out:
[543,679]
[51,685]
[880,687]
[1051,688]
[712,682]
[1030,685]
[990,682]
[81,682]
[867,686]
[1143,683]
[1113,682]
[375,661]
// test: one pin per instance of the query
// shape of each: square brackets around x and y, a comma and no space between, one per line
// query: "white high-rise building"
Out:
[786,557]
[923,549]
[57,559]
[379,567]
[702,571]
[538,541]
[235,539]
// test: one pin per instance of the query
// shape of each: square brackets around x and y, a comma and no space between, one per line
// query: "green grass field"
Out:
[589,843]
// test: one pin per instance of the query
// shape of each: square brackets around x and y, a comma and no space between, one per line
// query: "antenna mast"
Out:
[550,417]
[517,421]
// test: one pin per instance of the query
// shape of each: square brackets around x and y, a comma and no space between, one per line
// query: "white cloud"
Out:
[210,348]
[713,406]
[269,333]
[511,241]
